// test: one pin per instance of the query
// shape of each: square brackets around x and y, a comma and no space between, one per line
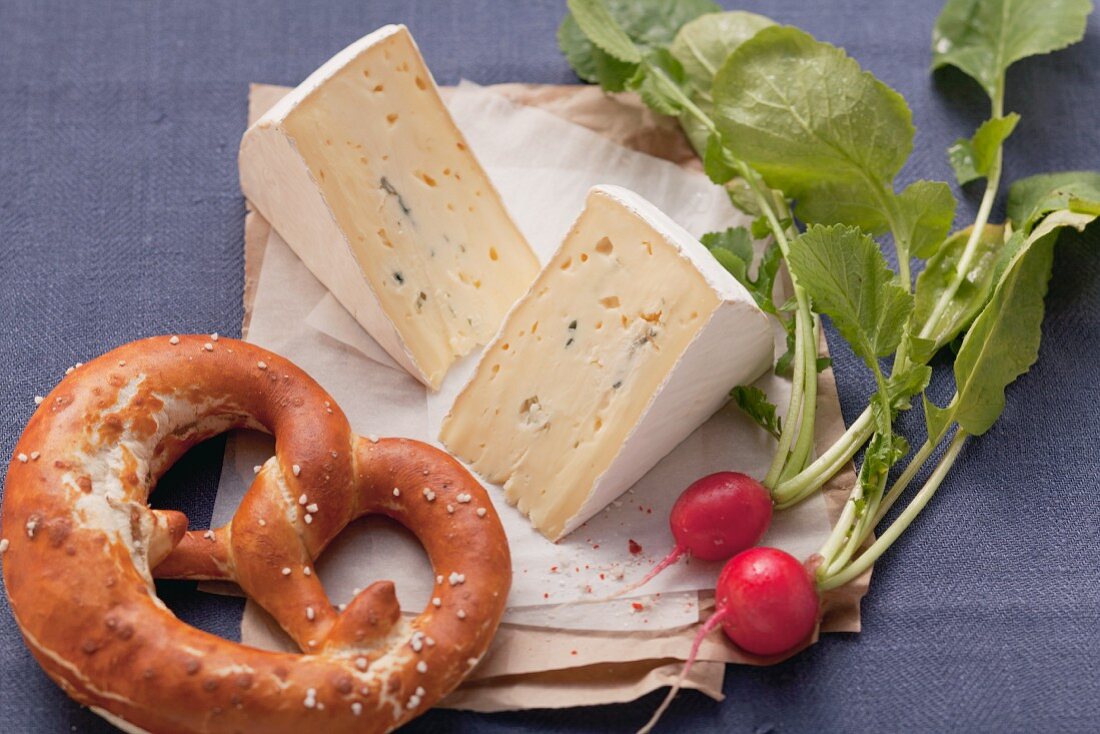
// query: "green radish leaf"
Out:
[589,62]
[1006,254]
[883,451]
[577,49]
[845,203]
[972,158]
[770,262]
[735,240]
[760,228]
[814,124]
[925,210]
[734,265]
[903,385]
[611,74]
[984,37]
[1001,345]
[883,454]
[784,366]
[741,196]
[649,24]
[847,278]
[754,402]
[597,24]
[1084,206]
[967,301]
[1029,199]
[936,419]
[921,350]
[1055,221]
[733,249]
[658,83]
[1003,341]
[718,164]
[922,213]
[701,46]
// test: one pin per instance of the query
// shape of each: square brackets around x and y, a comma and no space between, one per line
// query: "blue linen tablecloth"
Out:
[120,217]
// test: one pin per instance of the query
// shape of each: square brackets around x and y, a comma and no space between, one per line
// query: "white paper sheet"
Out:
[543,167]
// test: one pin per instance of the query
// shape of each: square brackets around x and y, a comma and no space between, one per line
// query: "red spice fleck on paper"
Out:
[572,652]
[633,546]
[637,606]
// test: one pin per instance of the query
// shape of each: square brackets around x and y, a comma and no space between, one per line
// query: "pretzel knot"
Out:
[83,547]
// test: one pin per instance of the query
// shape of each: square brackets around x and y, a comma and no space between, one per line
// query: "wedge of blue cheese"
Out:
[365,175]
[629,339]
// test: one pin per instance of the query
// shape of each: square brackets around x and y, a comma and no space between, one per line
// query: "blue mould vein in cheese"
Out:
[629,339]
[364,174]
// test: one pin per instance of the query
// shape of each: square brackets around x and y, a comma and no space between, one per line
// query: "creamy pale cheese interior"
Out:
[577,361]
[422,219]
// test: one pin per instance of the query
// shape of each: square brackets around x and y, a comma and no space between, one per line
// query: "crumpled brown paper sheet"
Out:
[530,667]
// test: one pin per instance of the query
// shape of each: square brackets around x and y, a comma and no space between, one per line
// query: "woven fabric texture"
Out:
[120,217]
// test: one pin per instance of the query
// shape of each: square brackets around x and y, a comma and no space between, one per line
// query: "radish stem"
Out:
[868,557]
[902,482]
[794,490]
[804,444]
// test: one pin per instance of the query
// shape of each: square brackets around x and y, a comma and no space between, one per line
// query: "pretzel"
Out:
[82,547]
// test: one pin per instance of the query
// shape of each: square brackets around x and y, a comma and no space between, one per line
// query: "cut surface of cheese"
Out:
[364,174]
[629,339]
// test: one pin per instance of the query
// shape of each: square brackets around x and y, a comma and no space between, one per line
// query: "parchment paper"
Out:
[544,167]
[508,677]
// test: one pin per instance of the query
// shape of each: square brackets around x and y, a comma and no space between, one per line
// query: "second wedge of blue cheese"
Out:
[629,339]
[365,175]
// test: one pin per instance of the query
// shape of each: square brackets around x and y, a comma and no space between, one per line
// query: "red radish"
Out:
[766,602]
[716,517]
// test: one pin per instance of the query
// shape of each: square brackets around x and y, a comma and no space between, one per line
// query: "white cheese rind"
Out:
[695,390]
[363,173]
[710,336]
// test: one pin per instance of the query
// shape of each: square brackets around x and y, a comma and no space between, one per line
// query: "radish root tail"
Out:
[713,621]
[671,558]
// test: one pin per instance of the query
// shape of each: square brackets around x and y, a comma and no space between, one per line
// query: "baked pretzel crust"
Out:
[83,547]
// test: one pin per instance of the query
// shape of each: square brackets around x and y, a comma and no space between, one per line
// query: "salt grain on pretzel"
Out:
[87,533]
